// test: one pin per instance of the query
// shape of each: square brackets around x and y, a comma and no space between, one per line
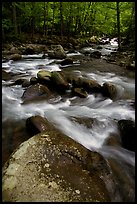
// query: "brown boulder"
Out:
[58,82]
[37,124]
[52,167]
[109,90]
[89,85]
[15,57]
[35,92]
[80,92]
[57,52]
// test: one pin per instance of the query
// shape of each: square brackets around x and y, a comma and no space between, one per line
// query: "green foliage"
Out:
[78,18]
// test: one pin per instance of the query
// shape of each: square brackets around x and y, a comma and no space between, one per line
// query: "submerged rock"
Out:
[52,167]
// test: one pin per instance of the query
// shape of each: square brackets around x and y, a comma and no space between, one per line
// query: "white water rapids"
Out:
[60,111]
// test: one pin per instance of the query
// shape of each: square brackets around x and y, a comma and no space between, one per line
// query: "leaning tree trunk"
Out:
[118,24]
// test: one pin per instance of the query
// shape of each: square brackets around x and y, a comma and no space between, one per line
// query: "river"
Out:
[61,110]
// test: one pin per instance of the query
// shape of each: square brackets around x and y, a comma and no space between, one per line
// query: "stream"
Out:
[61,110]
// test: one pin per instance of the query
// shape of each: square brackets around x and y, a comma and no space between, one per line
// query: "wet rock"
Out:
[6,75]
[79,92]
[131,66]
[37,91]
[113,140]
[26,83]
[89,85]
[52,167]
[87,122]
[33,80]
[127,130]
[59,82]
[66,61]
[109,90]
[44,77]
[57,52]
[19,81]
[37,124]
[124,185]
[15,57]
[43,74]
[95,54]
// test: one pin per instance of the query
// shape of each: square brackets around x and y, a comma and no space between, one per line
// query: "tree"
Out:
[118,23]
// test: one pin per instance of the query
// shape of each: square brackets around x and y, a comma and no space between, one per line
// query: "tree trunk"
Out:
[52,29]
[61,20]
[47,19]
[14,18]
[32,19]
[118,24]
[44,24]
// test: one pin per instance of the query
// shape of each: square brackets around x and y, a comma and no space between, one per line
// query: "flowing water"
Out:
[61,111]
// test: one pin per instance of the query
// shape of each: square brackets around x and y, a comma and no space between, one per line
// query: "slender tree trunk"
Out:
[32,19]
[118,23]
[14,18]
[44,25]
[47,19]
[61,20]
[53,18]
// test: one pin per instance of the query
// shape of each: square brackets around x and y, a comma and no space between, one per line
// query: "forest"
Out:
[75,19]
[68,101]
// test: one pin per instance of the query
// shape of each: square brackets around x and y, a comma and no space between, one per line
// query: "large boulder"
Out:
[57,52]
[58,82]
[35,92]
[51,167]
[90,85]
[127,131]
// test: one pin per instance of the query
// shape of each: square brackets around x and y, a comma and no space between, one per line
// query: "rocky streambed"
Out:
[73,115]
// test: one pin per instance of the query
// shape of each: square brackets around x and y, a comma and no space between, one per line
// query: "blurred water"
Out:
[60,111]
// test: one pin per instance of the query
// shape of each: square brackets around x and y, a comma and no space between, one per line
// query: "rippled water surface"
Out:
[61,111]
